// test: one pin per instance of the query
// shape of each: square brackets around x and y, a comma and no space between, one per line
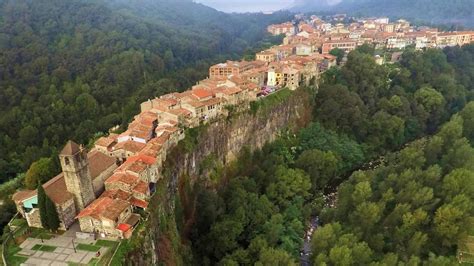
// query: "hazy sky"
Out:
[247,5]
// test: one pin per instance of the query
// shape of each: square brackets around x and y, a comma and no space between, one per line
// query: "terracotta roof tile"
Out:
[106,141]
[130,145]
[116,194]
[122,177]
[23,195]
[99,162]
[56,189]
[142,158]
[138,202]
[114,210]
[141,187]
[202,93]
[105,207]
[70,148]
[124,227]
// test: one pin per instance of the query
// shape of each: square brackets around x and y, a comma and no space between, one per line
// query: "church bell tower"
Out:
[76,172]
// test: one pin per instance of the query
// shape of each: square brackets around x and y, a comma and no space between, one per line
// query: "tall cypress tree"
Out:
[52,215]
[48,214]
[42,206]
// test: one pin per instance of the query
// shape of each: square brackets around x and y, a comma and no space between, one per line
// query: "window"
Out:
[66,161]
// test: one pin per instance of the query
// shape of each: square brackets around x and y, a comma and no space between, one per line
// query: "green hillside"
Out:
[69,69]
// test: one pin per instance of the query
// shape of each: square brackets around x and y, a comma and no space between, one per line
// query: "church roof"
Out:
[98,163]
[56,189]
[71,148]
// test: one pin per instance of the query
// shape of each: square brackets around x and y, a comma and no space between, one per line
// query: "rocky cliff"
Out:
[222,140]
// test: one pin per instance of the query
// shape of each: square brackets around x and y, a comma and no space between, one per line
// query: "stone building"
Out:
[72,190]
[108,217]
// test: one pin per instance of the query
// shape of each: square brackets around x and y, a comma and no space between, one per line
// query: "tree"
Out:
[42,206]
[433,102]
[290,183]
[39,172]
[387,131]
[315,136]
[52,215]
[467,115]
[341,256]
[338,53]
[342,110]
[47,209]
[278,257]
[321,166]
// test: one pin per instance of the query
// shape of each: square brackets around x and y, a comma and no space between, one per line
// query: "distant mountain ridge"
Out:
[429,11]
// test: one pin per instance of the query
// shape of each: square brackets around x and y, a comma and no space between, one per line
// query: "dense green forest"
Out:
[69,69]
[415,208]
[459,12]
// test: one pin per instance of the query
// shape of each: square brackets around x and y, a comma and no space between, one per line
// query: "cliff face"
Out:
[225,138]
[222,140]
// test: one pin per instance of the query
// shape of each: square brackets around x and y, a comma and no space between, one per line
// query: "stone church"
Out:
[81,182]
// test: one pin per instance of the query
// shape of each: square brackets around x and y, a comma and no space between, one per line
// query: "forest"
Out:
[71,69]
[74,69]
[415,208]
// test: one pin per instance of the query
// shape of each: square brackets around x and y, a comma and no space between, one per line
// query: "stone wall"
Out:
[66,213]
[98,182]
[33,218]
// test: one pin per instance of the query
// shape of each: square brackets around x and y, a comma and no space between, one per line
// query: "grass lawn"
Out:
[107,256]
[87,247]
[93,261]
[44,248]
[40,233]
[16,260]
[106,243]
[11,257]
[19,222]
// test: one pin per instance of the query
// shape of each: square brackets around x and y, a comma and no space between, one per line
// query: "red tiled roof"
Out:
[95,208]
[195,104]
[136,167]
[130,145]
[122,177]
[212,101]
[202,93]
[141,187]
[70,148]
[179,111]
[142,158]
[105,207]
[116,194]
[99,162]
[106,141]
[138,203]
[56,189]
[124,227]
[22,195]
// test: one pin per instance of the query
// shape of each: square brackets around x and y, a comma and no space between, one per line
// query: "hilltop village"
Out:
[102,188]
[313,35]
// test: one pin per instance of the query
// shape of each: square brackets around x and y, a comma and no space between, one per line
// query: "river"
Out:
[330,201]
